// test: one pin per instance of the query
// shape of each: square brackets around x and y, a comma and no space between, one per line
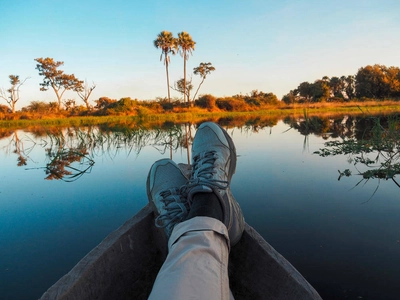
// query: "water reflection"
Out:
[375,153]
[291,197]
[71,152]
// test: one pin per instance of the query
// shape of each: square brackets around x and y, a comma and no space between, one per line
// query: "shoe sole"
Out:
[148,189]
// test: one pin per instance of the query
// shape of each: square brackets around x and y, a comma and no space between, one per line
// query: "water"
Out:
[344,242]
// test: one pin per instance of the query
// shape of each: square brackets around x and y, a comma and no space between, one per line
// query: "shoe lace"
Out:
[203,171]
[176,209]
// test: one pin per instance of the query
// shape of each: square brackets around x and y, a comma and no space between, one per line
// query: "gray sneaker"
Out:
[213,164]
[164,184]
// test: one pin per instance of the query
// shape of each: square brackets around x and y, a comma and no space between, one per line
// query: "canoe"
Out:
[125,264]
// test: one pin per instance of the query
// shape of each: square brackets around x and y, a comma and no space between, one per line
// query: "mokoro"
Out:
[125,264]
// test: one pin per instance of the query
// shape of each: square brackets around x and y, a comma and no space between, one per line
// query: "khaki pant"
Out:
[197,263]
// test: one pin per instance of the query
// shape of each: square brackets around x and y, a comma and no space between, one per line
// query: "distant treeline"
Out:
[373,82]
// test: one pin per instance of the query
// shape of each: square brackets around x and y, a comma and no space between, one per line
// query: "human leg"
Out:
[197,263]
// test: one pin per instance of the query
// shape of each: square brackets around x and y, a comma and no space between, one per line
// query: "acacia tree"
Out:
[57,79]
[168,45]
[84,94]
[185,46]
[203,70]
[13,91]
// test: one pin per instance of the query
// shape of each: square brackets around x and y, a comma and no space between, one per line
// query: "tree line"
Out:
[370,82]
[373,82]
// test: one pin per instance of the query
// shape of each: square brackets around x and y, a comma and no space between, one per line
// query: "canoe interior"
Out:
[125,264]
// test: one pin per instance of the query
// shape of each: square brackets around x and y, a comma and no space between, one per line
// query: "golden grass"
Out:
[196,114]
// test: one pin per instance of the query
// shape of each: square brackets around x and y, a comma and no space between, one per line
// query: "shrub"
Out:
[104,102]
[153,106]
[122,106]
[4,109]
[206,101]
[41,107]
[231,104]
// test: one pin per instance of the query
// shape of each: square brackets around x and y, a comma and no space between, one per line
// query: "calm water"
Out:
[344,242]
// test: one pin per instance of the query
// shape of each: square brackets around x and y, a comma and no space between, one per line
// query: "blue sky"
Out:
[267,45]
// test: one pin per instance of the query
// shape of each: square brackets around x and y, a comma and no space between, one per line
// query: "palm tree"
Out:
[168,44]
[185,46]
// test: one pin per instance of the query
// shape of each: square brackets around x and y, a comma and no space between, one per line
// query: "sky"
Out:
[268,45]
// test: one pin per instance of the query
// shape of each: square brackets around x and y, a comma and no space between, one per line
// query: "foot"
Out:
[213,164]
[164,184]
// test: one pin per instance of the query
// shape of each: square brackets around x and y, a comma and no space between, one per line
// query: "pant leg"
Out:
[197,263]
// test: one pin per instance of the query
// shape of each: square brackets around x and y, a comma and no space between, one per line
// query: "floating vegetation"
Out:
[375,154]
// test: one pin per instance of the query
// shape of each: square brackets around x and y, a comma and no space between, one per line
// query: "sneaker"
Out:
[164,184]
[213,164]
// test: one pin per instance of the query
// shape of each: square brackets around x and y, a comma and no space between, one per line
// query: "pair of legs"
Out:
[202,220]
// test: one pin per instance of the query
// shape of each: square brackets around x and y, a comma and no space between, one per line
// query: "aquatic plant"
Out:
[375,154]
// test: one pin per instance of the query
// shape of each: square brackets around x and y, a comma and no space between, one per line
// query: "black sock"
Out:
[206,205]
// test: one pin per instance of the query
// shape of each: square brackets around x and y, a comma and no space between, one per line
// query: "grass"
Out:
[195,115]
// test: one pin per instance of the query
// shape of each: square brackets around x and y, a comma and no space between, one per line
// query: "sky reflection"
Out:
[291,196]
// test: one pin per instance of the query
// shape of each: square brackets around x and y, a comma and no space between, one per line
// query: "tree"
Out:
[168,44]
[57,79]
[377,81]
[185,46]
[13,91]
[180,87]
[350,86]
[84,94]
[320,91]
[393,81]
[290,98]
[336,85]
[305,90]
[203,70]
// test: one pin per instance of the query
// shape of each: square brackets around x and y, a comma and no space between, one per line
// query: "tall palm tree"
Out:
[168,44]
[185,46]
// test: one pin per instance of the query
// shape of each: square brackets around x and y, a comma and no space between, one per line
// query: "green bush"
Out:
[123,106]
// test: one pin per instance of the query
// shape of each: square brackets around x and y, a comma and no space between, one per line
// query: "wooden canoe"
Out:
[125,264]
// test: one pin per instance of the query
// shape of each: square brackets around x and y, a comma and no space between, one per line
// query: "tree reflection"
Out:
[16,146]
[67,164]
[374,149]
[71,152]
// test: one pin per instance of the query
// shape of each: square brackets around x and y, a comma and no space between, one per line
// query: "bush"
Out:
[231,104]
[41,107]
[123,106]
[206,101]
[4,109]
[153,106]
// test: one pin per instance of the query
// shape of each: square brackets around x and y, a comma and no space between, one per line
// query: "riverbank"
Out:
[195,115]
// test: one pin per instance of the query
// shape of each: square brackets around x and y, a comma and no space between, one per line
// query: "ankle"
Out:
[206,205]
